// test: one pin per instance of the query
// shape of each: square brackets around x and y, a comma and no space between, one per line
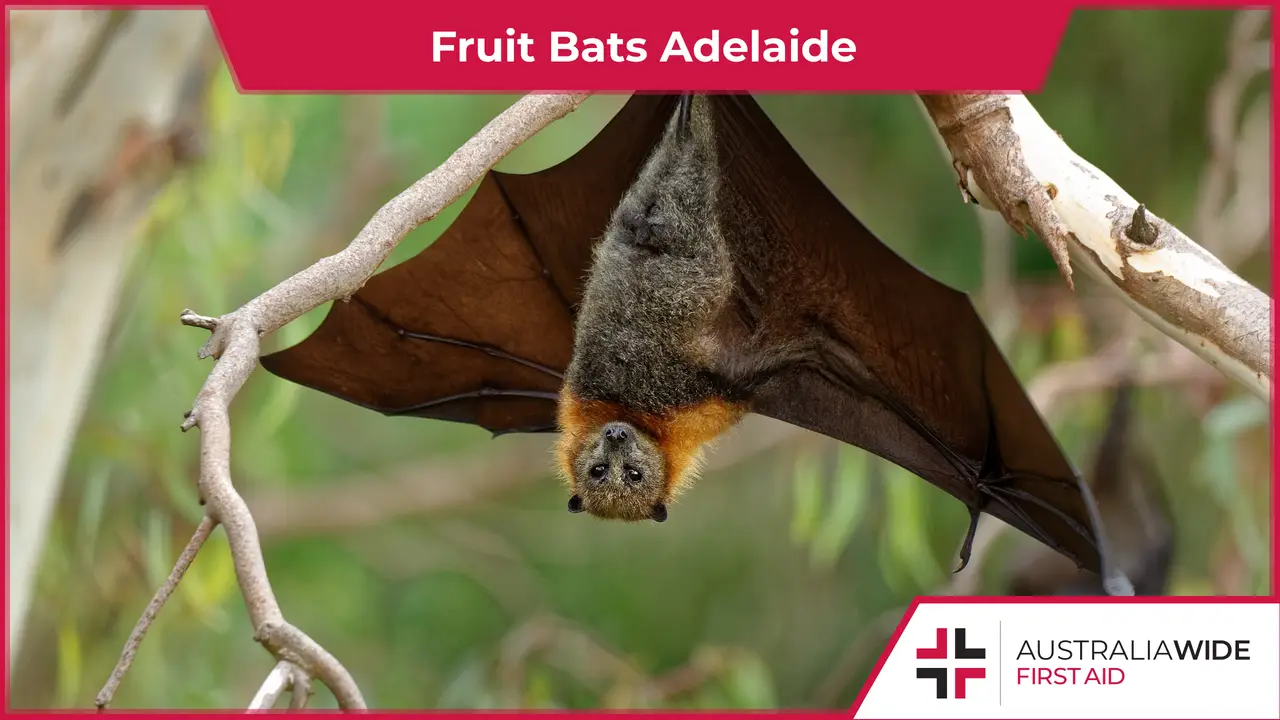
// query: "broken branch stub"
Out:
[1009,160]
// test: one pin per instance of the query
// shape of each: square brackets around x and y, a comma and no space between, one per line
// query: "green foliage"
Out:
[767,573]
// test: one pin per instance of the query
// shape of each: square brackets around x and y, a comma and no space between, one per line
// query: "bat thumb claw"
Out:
[966,547]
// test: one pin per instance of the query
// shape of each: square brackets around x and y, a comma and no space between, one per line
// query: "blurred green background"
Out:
[783,571]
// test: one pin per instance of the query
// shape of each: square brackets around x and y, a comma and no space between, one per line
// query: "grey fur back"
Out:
[642,334]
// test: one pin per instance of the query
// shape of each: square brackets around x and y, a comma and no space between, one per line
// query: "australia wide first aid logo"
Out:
[1086,660]
[1034,662]
[957,676]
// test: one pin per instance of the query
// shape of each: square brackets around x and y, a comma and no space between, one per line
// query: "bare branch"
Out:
[153,608]
[300,693]
[340,275]
[235,345]
[284,676]
[277,682]
[996,299]
[1007,159]
[368,166]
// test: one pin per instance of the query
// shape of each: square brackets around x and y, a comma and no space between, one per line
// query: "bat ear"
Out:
[659,512]
[575,504]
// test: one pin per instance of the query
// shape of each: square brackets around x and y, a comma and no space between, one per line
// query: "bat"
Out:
[684,268]
[1130,501]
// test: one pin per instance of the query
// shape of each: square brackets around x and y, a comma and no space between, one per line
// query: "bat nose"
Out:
[616,433]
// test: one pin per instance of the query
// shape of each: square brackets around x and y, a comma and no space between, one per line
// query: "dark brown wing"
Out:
[906,368]
[1134,508]
[478,327]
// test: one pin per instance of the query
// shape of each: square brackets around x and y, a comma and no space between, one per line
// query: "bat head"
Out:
[620,474]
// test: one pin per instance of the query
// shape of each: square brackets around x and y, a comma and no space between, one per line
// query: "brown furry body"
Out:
[646,390]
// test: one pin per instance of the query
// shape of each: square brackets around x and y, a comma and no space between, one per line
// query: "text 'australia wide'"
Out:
[1133,650]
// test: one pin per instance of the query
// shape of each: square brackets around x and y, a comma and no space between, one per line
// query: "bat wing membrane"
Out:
[478,327]
[903,366]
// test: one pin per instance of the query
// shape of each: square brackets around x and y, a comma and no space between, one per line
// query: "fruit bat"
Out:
[1131,504]
[682,269]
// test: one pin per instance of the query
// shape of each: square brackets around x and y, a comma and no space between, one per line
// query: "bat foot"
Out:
[966,548]
[685,110]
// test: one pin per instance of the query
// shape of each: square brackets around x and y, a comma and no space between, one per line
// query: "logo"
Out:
[962,674]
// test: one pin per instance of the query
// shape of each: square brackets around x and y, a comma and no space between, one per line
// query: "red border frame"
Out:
[879,33]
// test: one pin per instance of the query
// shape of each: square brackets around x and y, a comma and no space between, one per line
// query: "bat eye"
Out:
[597,472]
[634,475]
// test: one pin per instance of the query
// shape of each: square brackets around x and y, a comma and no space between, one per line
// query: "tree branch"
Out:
[284,676]
[235,345]
[1008,159]
[131,645]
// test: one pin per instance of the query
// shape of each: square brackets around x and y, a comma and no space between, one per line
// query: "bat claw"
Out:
[966,548]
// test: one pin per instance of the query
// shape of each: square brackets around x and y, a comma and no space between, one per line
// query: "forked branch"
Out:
[234,344]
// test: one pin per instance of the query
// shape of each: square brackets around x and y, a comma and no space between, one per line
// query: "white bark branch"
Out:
[1008,159]
[284,676]
[235,344]
[275,684]
[99,104]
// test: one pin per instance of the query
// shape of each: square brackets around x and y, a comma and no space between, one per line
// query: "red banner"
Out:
[407,46]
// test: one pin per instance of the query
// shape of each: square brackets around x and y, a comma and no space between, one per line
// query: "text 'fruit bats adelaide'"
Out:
[708,273]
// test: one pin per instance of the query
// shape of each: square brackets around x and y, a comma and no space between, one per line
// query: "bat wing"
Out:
[1132,503]
[478,327]
[904,367]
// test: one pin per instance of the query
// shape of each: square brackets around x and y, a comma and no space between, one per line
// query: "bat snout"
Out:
[616,434]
